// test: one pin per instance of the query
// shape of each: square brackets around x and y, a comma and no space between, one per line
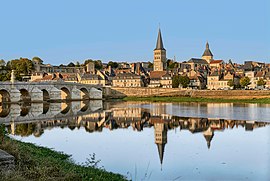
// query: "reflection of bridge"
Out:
[42,91]
[14,113]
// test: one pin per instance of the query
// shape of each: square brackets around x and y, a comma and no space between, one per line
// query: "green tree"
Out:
[2,62]
[22,66]
[175,81]
[184,81]
[261,82]
[37,59]
[113,64]
[171,64]
[98,63]
[244,81]
[77,64]
[230,83]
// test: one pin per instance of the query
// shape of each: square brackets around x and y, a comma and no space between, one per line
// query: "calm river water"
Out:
[152,141]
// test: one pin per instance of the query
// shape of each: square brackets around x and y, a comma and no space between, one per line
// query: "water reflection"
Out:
[35,119]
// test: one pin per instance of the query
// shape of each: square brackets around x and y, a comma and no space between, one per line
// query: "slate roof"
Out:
[207,51]
[91,77]
[127,76]
[159,45]
[197,61]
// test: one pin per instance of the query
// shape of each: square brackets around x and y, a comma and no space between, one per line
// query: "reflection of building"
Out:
[161,128]
[208,135]
[121,118]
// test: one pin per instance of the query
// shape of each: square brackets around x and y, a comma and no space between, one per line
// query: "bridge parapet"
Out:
[40,91]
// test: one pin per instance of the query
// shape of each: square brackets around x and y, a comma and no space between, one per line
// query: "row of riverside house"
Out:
[201,73]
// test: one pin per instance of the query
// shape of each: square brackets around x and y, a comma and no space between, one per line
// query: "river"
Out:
[152,141]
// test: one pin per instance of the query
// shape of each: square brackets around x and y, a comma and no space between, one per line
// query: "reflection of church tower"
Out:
[207,55]
[160,138]
[160,59]
[208,135]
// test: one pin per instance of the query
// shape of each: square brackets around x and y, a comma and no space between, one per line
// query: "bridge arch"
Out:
[65,93]
[25,108]
[4,96]
[4,110]
[66,107]
[46,95]
[25,95]
[84,93]
[85,106]
[46,107]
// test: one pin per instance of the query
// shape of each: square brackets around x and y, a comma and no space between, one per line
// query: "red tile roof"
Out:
[216,61]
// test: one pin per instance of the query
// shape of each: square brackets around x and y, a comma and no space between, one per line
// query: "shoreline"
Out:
[36,162]
[197,100]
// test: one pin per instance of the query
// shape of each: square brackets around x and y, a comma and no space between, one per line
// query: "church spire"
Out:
[159,45]
[207,51]
[161,148]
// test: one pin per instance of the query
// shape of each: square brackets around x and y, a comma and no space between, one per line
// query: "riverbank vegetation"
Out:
[38,163]
[194,99]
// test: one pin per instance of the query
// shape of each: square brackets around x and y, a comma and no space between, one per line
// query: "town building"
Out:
[160,79]
[128,80]
[218,81]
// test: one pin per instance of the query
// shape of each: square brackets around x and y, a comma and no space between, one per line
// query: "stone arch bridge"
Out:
[44,91]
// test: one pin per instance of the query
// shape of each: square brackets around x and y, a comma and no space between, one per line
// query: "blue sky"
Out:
[120,30]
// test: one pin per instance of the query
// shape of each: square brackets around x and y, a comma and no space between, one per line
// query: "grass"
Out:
[38,163]
[193,99]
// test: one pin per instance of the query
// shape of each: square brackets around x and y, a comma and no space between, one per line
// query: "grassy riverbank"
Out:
[193,99]
[39,163]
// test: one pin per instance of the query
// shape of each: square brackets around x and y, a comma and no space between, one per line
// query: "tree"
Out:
[184,81]
[175,81]
[261,82]
[37,59]
[180,80]
[113,64]
[98,63]
[77,64]
[244,81]
[2,62]
[22,66]
[230,83]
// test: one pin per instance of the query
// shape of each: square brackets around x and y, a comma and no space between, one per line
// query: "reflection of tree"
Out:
[25,129]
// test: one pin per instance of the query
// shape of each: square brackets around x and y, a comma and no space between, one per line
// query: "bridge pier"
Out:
[15,95]
[95,93]
[15,111]
[75,94]
[55,94]
[36,109]
[36,95]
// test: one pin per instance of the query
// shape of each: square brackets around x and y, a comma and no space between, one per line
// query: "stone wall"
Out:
[113,92]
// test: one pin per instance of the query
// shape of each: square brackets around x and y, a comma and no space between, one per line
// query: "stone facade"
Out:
[41,91]
[127,80]
[160,55]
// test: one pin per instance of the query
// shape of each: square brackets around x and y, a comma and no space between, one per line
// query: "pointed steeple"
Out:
[161,148]
[207,51]
[159,45]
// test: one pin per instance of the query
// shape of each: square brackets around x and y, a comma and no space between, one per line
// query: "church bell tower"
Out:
[160,60]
